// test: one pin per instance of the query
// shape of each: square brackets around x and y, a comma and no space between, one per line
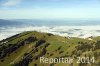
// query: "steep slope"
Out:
[25,49]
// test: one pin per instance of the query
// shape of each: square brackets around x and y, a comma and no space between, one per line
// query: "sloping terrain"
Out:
[25,49]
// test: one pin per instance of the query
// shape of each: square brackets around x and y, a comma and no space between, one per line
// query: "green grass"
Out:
[55,41]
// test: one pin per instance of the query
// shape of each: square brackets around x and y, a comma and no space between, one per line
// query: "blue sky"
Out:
[50,9]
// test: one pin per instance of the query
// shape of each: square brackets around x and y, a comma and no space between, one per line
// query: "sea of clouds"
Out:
[66,31]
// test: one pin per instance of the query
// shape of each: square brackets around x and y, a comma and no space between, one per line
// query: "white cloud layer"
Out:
[66,31]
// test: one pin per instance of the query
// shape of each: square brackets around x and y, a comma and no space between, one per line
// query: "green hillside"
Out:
[25,49]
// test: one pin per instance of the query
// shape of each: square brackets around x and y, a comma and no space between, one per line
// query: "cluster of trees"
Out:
[83,47]
[6,50]
[97,45]
[27,58]
[11,38]
[41,41]
[25,62]
[96,54]
[87,46]
[31,39]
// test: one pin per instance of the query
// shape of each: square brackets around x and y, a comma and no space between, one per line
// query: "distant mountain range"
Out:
[8,22]
[48,22]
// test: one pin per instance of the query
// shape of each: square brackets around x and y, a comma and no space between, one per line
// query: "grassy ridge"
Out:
[24,49]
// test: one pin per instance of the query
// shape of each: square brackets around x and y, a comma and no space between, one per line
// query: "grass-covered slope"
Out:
[25,49]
